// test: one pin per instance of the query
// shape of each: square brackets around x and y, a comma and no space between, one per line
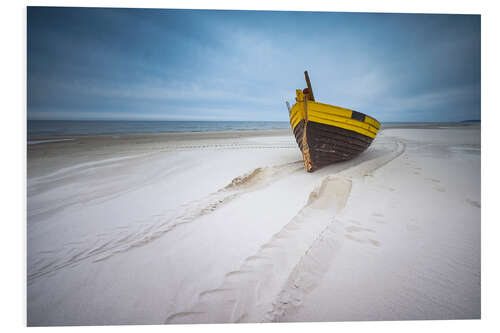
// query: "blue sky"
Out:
[141,64]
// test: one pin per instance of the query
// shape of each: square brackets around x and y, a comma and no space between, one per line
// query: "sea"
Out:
[54,128]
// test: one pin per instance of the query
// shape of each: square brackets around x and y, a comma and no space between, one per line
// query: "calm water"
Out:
[54,128]
[51,128]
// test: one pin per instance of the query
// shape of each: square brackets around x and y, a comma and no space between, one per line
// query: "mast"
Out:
[309,88]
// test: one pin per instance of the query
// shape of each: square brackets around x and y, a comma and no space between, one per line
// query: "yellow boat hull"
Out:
[327,134]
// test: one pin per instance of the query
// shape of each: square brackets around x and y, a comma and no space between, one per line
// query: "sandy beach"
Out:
[222,227]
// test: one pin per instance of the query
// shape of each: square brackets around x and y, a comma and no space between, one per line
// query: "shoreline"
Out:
[239,133]
[46,157]
[65,151]
[172,135]
[431,125]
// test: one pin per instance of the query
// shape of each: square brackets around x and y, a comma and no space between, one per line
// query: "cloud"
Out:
[226,65]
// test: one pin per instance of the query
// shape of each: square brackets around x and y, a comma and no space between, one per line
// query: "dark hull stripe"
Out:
[358,116]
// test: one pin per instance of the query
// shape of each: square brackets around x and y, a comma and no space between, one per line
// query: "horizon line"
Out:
[204,120]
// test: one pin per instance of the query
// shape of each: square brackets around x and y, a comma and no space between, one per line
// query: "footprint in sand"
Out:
[412,227]
[378,216]
[358,229]
[474,203]
[363,241]
[351,237]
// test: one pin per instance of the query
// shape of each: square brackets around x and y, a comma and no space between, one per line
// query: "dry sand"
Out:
[228,227]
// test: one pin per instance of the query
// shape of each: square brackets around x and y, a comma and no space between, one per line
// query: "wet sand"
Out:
[45,157]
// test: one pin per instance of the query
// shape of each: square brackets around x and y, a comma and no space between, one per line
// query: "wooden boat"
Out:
[326,133]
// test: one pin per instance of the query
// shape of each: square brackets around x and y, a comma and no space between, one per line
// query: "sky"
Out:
[161,64]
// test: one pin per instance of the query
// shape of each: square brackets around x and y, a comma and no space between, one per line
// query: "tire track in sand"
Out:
[127,237]
[277,277]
